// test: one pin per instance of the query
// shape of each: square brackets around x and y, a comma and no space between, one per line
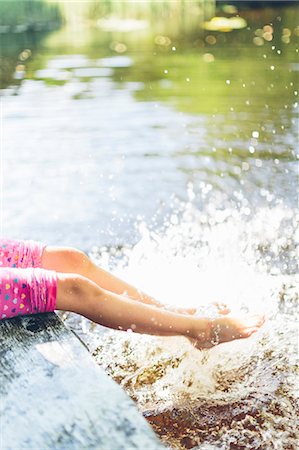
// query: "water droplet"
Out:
[268,29]
[208,57]
[210,39]
[162,40]
[259,41]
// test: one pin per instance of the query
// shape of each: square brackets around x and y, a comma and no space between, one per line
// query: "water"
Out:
[237,395]
[168,155]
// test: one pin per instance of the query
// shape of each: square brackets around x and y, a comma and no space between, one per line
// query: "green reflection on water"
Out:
[240,85]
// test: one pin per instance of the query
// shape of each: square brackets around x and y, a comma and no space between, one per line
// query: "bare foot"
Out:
[185,310]
[225,329]
[222,308]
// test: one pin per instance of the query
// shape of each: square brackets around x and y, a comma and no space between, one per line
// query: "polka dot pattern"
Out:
[25,288]
[14,295]
[16,253]
[27,291]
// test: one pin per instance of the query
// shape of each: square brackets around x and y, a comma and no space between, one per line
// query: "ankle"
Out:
[202,329]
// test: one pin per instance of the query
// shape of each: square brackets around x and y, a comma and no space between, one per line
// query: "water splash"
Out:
[237,395]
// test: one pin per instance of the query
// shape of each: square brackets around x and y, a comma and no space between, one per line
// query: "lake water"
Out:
[169,156]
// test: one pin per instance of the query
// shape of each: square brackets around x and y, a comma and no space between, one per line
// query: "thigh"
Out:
[20,254]
[27,291]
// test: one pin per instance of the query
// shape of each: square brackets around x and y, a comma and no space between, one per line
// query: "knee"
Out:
[75,285]
[73,291]
[75,261]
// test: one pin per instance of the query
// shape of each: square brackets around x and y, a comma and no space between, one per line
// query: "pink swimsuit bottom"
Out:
[25,288]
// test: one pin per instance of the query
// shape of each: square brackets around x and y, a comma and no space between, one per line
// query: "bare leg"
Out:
[70,260]
[80,295]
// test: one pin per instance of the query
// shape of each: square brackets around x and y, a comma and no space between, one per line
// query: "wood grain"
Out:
[54,396]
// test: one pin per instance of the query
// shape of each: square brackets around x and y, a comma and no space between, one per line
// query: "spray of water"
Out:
[239,393]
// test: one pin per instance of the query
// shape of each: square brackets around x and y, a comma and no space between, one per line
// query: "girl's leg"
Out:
[31,291]
[70,260]
[81,295]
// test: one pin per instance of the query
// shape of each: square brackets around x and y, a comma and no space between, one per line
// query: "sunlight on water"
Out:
[123,122]
[207,256]
[233,392]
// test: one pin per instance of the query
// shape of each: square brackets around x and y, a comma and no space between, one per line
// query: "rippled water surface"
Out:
[168,154]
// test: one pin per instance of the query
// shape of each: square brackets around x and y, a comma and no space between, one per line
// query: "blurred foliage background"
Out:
[205,90]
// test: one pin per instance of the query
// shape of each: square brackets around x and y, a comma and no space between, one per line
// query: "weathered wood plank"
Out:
[54,396]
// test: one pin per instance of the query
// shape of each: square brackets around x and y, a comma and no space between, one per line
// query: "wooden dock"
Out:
[54,396]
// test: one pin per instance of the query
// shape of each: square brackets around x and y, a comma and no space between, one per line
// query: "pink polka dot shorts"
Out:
[25,288]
